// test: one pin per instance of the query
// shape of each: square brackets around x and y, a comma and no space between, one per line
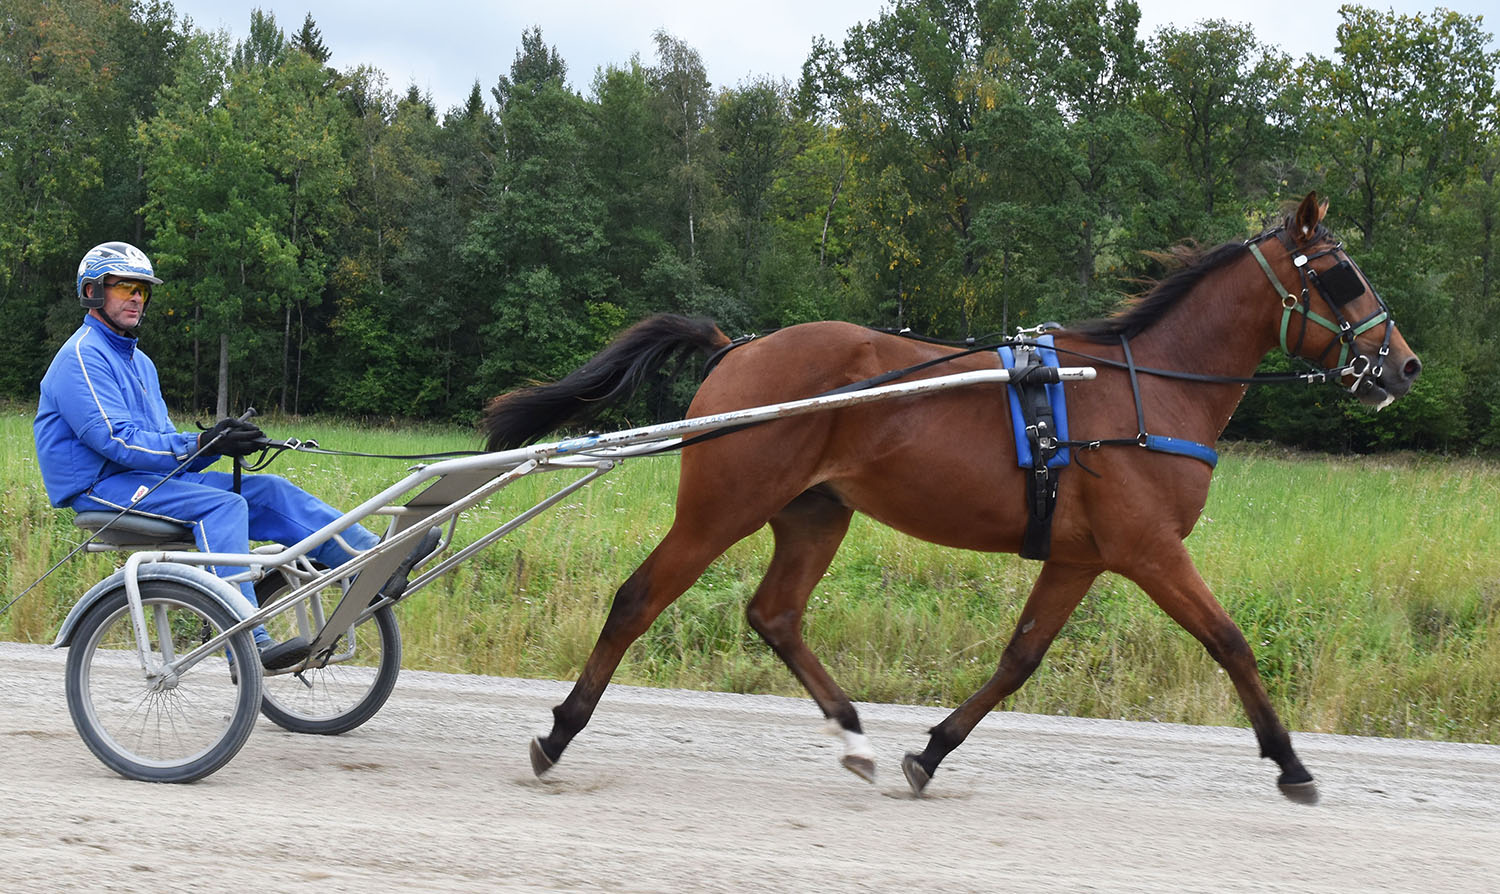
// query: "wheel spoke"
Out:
[174,728]
[354,684]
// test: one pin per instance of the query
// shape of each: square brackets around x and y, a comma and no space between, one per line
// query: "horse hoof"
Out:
[916,776]
[540,762]
[1300,792]
[863,767]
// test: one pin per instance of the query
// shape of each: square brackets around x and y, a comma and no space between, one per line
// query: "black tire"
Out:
[346,692]
[155,729]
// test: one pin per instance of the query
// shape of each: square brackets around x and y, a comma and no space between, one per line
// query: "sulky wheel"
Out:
[162,726]
[351,686]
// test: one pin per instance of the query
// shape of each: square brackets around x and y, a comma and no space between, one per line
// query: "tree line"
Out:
[958,167]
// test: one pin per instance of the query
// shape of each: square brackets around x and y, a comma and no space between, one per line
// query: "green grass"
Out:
[1369,588]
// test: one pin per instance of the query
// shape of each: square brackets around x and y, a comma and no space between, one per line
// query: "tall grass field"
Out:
[1369,588]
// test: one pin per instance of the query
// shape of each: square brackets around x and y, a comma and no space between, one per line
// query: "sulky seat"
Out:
[134,531]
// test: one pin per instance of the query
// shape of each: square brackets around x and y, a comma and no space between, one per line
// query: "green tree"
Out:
[266,46]
[1088,66]
[468,151]
[807,222]
[244,178]
[308,128]
[999,155]
[75,78]
[683,102]
[630,163]
[904,91]
[393,311]
[1467,236]
[1399,113]
[200,177]
[534,246]
[1212,90]
[310,41]
[1395,123]
[754,135]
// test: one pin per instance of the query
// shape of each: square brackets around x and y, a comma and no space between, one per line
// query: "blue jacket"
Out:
[101,412]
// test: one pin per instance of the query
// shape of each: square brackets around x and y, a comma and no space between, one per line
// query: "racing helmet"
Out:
[118,258]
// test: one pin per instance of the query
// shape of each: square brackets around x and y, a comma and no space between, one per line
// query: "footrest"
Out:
[131,529]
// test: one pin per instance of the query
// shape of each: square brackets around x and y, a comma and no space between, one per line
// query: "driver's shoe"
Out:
[275,656]
[395,585]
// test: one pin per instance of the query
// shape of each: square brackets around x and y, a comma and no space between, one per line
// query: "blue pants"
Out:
[268,508]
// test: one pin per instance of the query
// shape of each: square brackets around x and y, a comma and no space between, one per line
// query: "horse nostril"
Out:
[1412,369]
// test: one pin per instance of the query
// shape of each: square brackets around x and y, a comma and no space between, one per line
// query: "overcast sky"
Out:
[443,46]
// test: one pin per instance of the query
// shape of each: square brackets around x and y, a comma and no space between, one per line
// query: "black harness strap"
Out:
[1041,434]
[1135,390]
[270,449]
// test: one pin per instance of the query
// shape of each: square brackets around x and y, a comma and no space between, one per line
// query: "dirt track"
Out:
[688,791]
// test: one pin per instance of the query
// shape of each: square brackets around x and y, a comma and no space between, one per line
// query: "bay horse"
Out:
[1173,361]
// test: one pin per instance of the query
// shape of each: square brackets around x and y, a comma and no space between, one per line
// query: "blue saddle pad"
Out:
[1054,395]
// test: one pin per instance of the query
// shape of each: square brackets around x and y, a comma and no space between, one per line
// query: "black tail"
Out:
[522,416]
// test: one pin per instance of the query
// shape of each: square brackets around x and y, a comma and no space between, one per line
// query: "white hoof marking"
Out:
[855,744]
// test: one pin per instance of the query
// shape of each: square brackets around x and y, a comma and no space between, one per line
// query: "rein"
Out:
[1158,443]
[202,448]
[1339,285]
[270,450]
[1311,377]
[861,385]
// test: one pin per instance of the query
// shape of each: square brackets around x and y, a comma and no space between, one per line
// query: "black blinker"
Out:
[1340,283]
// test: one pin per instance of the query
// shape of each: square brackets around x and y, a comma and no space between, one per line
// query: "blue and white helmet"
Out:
[118,258]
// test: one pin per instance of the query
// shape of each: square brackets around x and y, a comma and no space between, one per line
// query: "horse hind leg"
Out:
[666,574]
[1175,585]
[1057,591]
[807,534]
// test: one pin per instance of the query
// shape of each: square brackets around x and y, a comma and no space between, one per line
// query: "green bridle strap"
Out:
[1286,297]
[1290,303]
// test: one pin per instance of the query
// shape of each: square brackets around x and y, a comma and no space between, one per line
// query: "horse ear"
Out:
[1309,214]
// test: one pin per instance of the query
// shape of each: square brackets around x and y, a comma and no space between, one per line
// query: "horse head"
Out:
[1330,311]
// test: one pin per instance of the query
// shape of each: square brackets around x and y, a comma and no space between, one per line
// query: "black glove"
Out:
[236,438]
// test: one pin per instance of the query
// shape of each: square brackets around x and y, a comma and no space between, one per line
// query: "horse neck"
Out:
[1223,326]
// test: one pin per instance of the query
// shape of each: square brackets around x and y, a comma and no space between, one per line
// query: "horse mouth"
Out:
[1372,395]
[1379,392]
[1391,380]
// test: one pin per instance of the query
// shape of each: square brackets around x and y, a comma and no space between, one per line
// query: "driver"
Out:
[103,440]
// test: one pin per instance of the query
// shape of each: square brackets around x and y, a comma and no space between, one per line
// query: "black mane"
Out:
[1139,313]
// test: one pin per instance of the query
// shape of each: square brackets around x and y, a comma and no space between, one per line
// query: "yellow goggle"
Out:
[133,288]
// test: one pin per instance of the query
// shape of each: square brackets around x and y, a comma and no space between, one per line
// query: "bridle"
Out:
[1339,285]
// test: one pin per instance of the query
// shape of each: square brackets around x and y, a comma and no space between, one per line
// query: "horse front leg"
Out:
[1054,596]
[1172,581]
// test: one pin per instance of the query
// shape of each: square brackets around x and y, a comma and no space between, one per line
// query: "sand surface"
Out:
[688,791]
